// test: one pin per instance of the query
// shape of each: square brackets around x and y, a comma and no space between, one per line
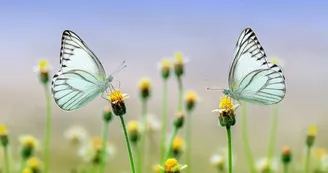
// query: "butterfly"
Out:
[252,78]
[81,77]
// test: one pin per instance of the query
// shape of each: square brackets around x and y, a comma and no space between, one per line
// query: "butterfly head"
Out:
[227,92]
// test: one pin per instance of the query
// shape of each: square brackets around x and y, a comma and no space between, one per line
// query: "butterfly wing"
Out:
[252,78]
[81,76]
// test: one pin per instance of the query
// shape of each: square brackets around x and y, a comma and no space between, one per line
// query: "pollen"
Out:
[116,96]
[226,103]
[170,164]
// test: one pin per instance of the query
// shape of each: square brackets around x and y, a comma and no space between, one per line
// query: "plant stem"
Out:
[169,147]
[285,168]
[229,148]
[188,141]
[246,144]
[272,142]
[48,130]
[164,122]
[6,155]
[127,141]
[104,146]
[143,136]
[307,162]
[138,153]
[180,94]
[22,165]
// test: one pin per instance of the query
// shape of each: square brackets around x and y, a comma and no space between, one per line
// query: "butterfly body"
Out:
[252,78]
[81,78]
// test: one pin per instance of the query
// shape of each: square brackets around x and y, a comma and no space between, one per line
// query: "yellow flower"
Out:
[312,131]
[172,166]
[144,86]
[178,56]
[320,153]
[43,67]
[117,96]
[225,103]
[177,143]
[133,127]
[144,83]
[27,170]
[28,141]
[33,163]
[165,64]
[165,67]
[97,143]
[3,130]
[191,99]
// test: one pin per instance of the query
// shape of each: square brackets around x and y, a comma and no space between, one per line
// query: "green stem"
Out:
[164,122]
[143,136]
[188,141]
[6,155]
[48,130]
[180,94]
[138,153]
[93,168]
[169,147]
[246,144]
[104,146]
[127,141]
[285,168]
[229,148]
[272,142]
[307,162]
[22,165]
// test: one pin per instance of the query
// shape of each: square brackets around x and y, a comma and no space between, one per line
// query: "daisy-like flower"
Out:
[153,124]
[91,152]
[165,67]
[172,166]
[34,164]
[191,100]
[133,128]
[43,68]
[218,161]
[311,135]
[179,62]
[263,166]
[145,88]
[177,146]
[226,111]
[286,156]
[77,135]
[29,144]
[4,135]
[117,98]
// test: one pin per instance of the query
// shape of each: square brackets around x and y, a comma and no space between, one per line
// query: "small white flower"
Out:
[217,160]
[76,134]
[153,124]
[91,150]
[262,165]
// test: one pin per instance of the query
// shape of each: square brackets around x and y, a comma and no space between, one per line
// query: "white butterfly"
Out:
[81,78]
[252,78]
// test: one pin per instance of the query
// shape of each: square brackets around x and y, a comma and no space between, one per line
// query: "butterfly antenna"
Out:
[214,89]
[119,68]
